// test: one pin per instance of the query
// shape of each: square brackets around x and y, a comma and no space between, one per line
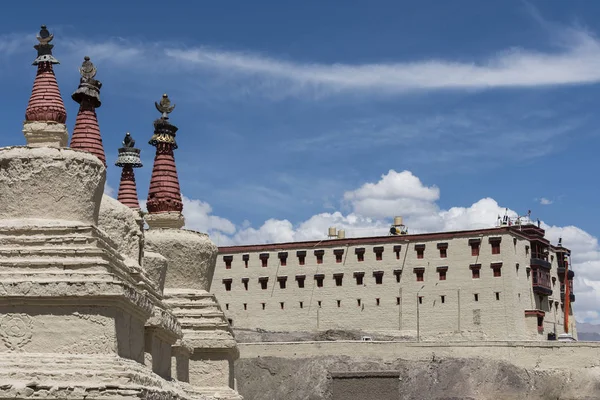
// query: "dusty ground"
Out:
[272,378]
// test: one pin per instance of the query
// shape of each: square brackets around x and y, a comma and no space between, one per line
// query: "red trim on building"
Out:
[86,133]
[127,188]
[164,194]
[45,103]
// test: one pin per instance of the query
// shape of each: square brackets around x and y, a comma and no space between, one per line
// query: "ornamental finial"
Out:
[165,107]
[44,47]
[87,69]
[128,142]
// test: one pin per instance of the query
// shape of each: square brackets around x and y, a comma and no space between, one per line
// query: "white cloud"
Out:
[545,202]
[109,190]
[402,193]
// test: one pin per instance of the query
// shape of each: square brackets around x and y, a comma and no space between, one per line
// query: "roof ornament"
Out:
[89,87]
[128,154]
[44,47]
[165,106]
[164,131]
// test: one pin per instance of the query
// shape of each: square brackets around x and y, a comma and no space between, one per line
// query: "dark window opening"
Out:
[282,281]
[475,270]
[300,280]
[398,274]
[442,273]
[245,282]
[378,253]
[377,301]
[378,277]
[227,306]
[227,283]
[282,305]
[359,277]
[339,303]
[264,258]
[397,250]
[443,298]
[358,302]
[360,254]
[497,268]
[397,301]
[301,257]
[420,276]
[420,299]
[283,258]
[230,321]
[497,295]
[264,305]
[319,255]
[495,247]
[245,306]
[263,283]
[339,255]
[319,303]
[246,257]
[475,249]
[319,279]
[301,304]
[443,253]
[476,297]
[228,260]
[338,279]
[420,253]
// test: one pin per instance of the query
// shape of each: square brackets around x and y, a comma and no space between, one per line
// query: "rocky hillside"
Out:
[271,378]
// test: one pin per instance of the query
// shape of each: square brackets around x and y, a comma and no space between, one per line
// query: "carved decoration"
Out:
[16,330]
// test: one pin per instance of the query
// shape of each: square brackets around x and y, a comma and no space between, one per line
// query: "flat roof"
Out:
[514,230]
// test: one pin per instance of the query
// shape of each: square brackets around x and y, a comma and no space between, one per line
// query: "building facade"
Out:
[501,283]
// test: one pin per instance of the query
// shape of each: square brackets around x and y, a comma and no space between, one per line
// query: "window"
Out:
[420,249]
[301,257]
[319,303]
[443,299]
[319,278]
[526,250]
[553,281]
[245,306]
[319,255]
[263,305]
[378,277]
[397,301]
[339,254]
[245,282]
[228,260]
[476,296]
[540,323]
[360,254]
[398,274]
[517,268]
[230,321]
[264,257]
[283,258]
[495,243]
[227,306]
[245,258]
[377,302]
[301,304]
[378,253]
[359,277]
[397,250]
[419,272]
[475,270]
[300,280]
[497,267]
[420,299]
[282,281]
[282,305]
[227,283]
[339,303]
[263,282]
[474,243]
[497,295]
[338,279]
[442,272]
[443,248]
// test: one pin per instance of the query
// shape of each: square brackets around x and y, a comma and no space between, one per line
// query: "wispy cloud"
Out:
[545,202]
[576,60]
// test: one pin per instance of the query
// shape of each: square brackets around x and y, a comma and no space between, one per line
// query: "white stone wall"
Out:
[487,318]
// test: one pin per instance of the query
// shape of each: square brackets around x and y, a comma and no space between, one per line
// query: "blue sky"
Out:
[296,115]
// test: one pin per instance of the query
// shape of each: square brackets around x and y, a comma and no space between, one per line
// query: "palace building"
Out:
[502,283]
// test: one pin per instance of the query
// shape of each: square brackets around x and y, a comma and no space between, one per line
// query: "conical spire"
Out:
[164,197]
[129,158]
[45,115]
[86,134]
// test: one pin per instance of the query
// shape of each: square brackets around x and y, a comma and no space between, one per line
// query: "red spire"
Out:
[129,158]
[45,103]
[86,134]
[164,194]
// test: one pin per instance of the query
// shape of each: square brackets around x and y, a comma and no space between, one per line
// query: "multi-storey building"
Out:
[500,283]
